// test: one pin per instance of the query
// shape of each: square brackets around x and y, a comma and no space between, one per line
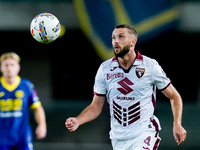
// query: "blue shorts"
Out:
[25,146]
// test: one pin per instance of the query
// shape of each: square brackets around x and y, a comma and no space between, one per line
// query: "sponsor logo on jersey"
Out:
[7,105]
[125,98]
[115,75]
[125,88]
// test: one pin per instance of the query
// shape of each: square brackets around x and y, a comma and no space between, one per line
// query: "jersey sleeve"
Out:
[100,85]
[159,77]
[34,101]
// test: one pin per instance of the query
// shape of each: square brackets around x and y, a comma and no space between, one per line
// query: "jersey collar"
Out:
[138,60]
[11,87]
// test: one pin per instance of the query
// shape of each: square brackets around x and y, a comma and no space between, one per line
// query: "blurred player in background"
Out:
[17,95]
[129,80]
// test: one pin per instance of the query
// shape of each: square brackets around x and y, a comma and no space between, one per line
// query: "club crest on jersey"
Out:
[139,72]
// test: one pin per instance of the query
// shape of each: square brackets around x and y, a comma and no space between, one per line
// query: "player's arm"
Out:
[177,108]
[88,114]
[41,121]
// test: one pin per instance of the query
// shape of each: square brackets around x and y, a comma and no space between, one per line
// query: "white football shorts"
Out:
[148,140]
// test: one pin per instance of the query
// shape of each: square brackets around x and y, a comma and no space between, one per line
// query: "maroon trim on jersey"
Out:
[139,56]
[156,126]
[153,101]
[120,122]
[126,116]
[97,94]
[135,119]
[133,106]
[156,144]
[134,110]
[117,110]
[117,105]
[134,115]
[166,86]
[114,58]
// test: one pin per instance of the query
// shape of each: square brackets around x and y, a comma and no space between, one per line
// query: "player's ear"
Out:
[133,41]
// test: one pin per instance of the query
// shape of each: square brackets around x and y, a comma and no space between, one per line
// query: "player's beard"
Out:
[123,51]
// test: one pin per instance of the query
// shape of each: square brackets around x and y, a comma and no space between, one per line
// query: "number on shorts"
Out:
[147,140]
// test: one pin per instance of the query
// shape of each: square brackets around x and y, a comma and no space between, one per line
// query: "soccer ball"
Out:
[45,28]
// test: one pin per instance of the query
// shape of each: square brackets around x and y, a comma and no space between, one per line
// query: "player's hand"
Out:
[72,124]
[41,131]
[179,133]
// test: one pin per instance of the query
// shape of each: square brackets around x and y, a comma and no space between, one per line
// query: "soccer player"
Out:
[17,95]
[129,81]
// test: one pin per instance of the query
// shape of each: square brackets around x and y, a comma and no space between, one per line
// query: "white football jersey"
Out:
[131,95]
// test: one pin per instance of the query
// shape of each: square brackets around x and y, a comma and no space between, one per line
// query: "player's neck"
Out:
[10,80]
[127,61]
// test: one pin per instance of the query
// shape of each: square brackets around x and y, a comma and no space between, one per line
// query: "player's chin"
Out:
[116,52]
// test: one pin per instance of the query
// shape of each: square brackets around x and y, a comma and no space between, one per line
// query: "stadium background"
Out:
[63,71]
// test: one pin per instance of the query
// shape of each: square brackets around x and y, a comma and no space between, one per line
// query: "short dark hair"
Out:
[131,29]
